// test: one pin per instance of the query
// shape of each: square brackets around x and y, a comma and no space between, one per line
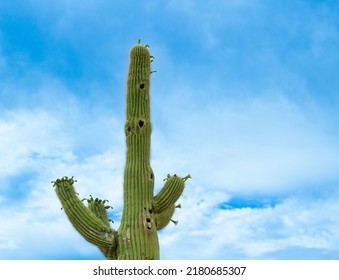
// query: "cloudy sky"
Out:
[245,98]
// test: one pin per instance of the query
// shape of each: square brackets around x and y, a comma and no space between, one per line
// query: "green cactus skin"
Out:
[94,229]
[143,213]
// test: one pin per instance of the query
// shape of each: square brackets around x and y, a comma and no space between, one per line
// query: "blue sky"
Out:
[245,98]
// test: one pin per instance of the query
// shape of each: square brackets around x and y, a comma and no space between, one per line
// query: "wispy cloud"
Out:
[37,147]
[252,233]
[256,144]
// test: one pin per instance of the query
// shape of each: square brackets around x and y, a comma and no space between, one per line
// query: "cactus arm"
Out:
[170,193]
[99,209]
[164,202]
[163,218]
[92,228]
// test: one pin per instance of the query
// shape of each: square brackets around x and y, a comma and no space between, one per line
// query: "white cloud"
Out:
[40,233]
[269,144]
[38,219]
[206,232]
[30,228]
[29,132]
[60,136]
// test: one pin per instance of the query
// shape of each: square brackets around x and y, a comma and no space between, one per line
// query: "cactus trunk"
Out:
[138,237]
[143,213]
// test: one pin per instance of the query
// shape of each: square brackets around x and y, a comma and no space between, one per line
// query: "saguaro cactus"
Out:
[144,213]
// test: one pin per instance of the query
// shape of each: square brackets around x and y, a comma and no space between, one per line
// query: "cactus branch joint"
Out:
[143,212]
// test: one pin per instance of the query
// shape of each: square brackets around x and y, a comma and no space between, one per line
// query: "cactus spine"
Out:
[143,213]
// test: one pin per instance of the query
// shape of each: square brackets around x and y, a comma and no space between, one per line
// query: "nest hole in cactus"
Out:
[141,123]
